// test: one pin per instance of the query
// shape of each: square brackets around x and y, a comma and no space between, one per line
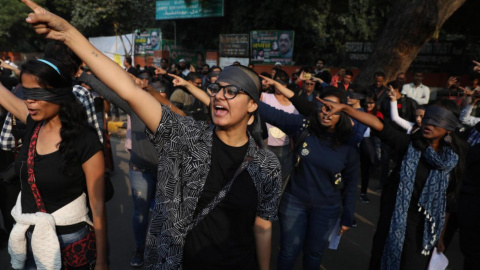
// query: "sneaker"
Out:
[137,259]
[354,223]
[364,198]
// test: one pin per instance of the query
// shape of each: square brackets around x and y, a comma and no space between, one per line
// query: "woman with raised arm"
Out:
[407,125]
[325,178]
[422,188]
[218,189]
[61,157]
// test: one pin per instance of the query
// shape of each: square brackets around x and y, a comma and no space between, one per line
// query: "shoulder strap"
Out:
[30,169]
[221,195]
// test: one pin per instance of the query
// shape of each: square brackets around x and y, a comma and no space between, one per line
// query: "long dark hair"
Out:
[343,128]
[72,114]
[458,145]
[364,103]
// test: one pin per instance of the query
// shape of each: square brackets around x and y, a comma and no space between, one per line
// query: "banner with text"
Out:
[272,46]
[234,45]
[178,9]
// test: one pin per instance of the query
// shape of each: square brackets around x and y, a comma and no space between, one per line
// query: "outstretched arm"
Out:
[12,68]
[394,112]
[117,79]
[13,104]
[195,91]
[303,106]
[282,89]
[365,118]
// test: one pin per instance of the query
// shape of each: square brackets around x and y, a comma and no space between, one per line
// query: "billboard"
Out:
[270,46]
[148,41]
[234,45]
[178,9]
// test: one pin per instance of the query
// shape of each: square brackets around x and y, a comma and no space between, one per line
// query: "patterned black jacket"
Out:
[184,154]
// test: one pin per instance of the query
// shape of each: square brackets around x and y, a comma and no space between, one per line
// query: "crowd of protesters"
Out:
[217,155]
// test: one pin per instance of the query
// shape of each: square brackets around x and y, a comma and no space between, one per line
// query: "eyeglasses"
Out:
[371,102]
[229,91]
[309,84]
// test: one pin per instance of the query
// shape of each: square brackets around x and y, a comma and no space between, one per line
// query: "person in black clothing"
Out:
[469,203]
[406,110]
[68,161]
[128,66]
[309,206]
[421,190]
[378,87]
[188,173]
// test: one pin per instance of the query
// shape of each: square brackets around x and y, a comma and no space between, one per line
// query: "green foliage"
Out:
[12,23]
[321,27]
[112,17]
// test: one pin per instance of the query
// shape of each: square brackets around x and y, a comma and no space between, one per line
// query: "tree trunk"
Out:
[411,24]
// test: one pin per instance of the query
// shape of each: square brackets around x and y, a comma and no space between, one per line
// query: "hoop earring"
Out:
[448,138]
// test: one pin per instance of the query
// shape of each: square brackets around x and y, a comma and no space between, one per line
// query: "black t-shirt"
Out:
[56,188]
[224,239]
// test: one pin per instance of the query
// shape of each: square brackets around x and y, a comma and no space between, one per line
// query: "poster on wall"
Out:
[271,46]
[234,45]
[148,41]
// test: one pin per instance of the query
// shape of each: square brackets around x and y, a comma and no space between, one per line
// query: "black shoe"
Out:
[354,223]
[137,259]
[364,198]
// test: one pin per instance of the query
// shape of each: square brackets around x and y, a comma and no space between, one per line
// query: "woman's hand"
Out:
[159,71]
[302,77]
[178,81]
[391,93]
[267,81]
[332,107]
[343,229]
[46,23]
[4,65]
[466,91]
[476,68]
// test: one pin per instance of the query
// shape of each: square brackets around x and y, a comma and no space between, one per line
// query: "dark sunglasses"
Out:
[229,91]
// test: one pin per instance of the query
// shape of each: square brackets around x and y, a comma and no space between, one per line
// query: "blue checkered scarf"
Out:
[432,202]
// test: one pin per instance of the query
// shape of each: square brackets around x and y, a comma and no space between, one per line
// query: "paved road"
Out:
[353,252]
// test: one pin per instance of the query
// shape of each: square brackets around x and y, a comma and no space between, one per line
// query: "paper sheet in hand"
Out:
[335,237]
[438,261]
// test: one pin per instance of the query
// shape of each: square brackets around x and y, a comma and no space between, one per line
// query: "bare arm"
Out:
[263,241]
[12,68]
[195,91]
[281,88]
[367,119]
[94,173]
[13,104]
[117,79]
